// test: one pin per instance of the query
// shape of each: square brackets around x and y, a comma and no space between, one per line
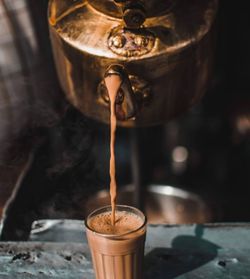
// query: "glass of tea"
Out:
[117,250]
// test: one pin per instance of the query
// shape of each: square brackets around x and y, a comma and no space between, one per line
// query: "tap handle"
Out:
[134,13]
[126,105]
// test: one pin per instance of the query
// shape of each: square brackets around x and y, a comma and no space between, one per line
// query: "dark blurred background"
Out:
[63,157]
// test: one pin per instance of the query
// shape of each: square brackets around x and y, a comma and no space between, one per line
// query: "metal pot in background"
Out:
[165,47]
[163,204]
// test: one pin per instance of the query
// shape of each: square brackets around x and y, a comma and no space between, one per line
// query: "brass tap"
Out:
[126,105]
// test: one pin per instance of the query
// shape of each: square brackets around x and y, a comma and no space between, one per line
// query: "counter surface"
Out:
[58,249]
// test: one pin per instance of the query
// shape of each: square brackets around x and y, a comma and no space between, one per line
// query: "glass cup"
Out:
[117,256]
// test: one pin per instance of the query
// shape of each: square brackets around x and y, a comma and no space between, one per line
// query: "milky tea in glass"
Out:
[117,251]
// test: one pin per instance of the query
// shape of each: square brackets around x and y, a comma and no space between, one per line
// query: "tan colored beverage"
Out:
[113,84]
[117,251]
[116,233]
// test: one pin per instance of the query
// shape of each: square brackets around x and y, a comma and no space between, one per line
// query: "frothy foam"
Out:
[124,223]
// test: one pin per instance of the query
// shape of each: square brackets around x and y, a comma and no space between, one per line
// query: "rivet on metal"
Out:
[130,42]
[118,41]
[141,41]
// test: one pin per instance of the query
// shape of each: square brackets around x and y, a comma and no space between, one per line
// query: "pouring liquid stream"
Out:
[113,83]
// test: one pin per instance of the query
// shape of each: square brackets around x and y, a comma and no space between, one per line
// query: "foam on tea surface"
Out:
[124,222]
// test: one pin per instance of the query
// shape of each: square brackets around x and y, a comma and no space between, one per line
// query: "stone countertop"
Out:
[58,249]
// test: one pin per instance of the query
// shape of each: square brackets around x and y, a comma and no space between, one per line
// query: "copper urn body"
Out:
[166,48]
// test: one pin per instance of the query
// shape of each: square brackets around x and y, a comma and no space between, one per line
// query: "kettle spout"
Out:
[125,105]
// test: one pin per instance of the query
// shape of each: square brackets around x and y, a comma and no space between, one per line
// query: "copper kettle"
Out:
[162,49]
